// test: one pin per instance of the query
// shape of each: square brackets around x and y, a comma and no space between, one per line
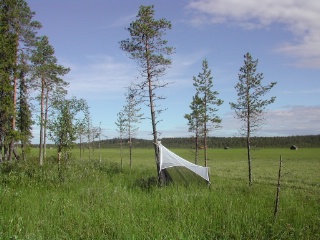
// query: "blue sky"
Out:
[283,35]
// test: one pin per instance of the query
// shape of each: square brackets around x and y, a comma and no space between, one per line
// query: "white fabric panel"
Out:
[169,159]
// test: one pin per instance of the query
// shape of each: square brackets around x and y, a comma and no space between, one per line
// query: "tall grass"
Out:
[102,200]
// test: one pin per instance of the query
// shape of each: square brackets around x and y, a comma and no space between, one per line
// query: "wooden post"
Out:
[276,207]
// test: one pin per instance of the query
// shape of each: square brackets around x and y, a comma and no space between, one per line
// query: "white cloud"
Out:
[101,77]
[294,120]
[121,22]
[286,121]
[302,18]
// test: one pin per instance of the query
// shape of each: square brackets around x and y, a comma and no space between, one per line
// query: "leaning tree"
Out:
[151,52]
[250,104]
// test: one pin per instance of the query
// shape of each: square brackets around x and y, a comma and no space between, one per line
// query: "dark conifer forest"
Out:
[308,141]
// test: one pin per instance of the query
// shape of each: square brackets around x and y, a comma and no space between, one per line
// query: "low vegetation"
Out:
[102,200]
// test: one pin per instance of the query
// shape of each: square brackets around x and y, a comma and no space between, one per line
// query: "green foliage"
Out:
[250,106]
[68,115]
[100,200]
[203,117]
[132,112]
[194,117]
[17,37]
[24,115]
[146,45]
[46,75]
[8,50]
[206,99]
[150,50]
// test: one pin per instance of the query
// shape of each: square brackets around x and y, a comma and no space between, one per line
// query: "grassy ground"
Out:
[93,199]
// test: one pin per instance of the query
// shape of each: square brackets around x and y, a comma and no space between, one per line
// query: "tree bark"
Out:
[45,125]
[161,177]
[13,115]
[41,122]
[249,131]
[249,153]
[276,207]
[130,144]
[205,129]
[197,147]
[1,144]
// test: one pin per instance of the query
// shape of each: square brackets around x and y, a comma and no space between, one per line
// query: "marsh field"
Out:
[96,198]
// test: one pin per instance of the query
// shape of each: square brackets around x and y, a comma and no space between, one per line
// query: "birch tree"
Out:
[68,115]
[250,106]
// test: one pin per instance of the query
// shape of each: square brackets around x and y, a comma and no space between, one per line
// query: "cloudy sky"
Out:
[283,35]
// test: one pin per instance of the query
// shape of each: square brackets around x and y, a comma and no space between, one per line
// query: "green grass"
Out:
[100,200]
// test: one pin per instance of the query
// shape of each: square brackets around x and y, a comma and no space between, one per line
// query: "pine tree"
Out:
[204,105]
[250,106]
[149,49]
[195,123]
[132,116]
[24,115]
[7,65]
[23,30]
[120,123]
[47,73]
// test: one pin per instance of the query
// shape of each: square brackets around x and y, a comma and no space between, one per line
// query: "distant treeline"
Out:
[310,141]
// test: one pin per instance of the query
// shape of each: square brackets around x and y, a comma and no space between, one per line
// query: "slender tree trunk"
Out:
[89,140]
[154,127]
[41,123]
[276,207]
[100,142]
[249,130]
[13,116]
[121,152]
[197,147]
[205,145]
[153,118]
[130,153]
[23,150]
[1,144]
[205,130]
[45,126]
[5,151]
[80,146]
[249,153]
[249,161]
[14,99]
[130,144]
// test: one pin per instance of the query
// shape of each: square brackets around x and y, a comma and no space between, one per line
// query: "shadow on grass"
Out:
[146,184]
[110,168]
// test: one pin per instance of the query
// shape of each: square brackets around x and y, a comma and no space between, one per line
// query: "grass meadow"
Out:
[100,199]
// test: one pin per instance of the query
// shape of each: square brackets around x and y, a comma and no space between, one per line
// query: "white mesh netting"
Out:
[169,159]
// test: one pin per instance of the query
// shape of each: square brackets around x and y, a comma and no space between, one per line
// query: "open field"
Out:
[93,199]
